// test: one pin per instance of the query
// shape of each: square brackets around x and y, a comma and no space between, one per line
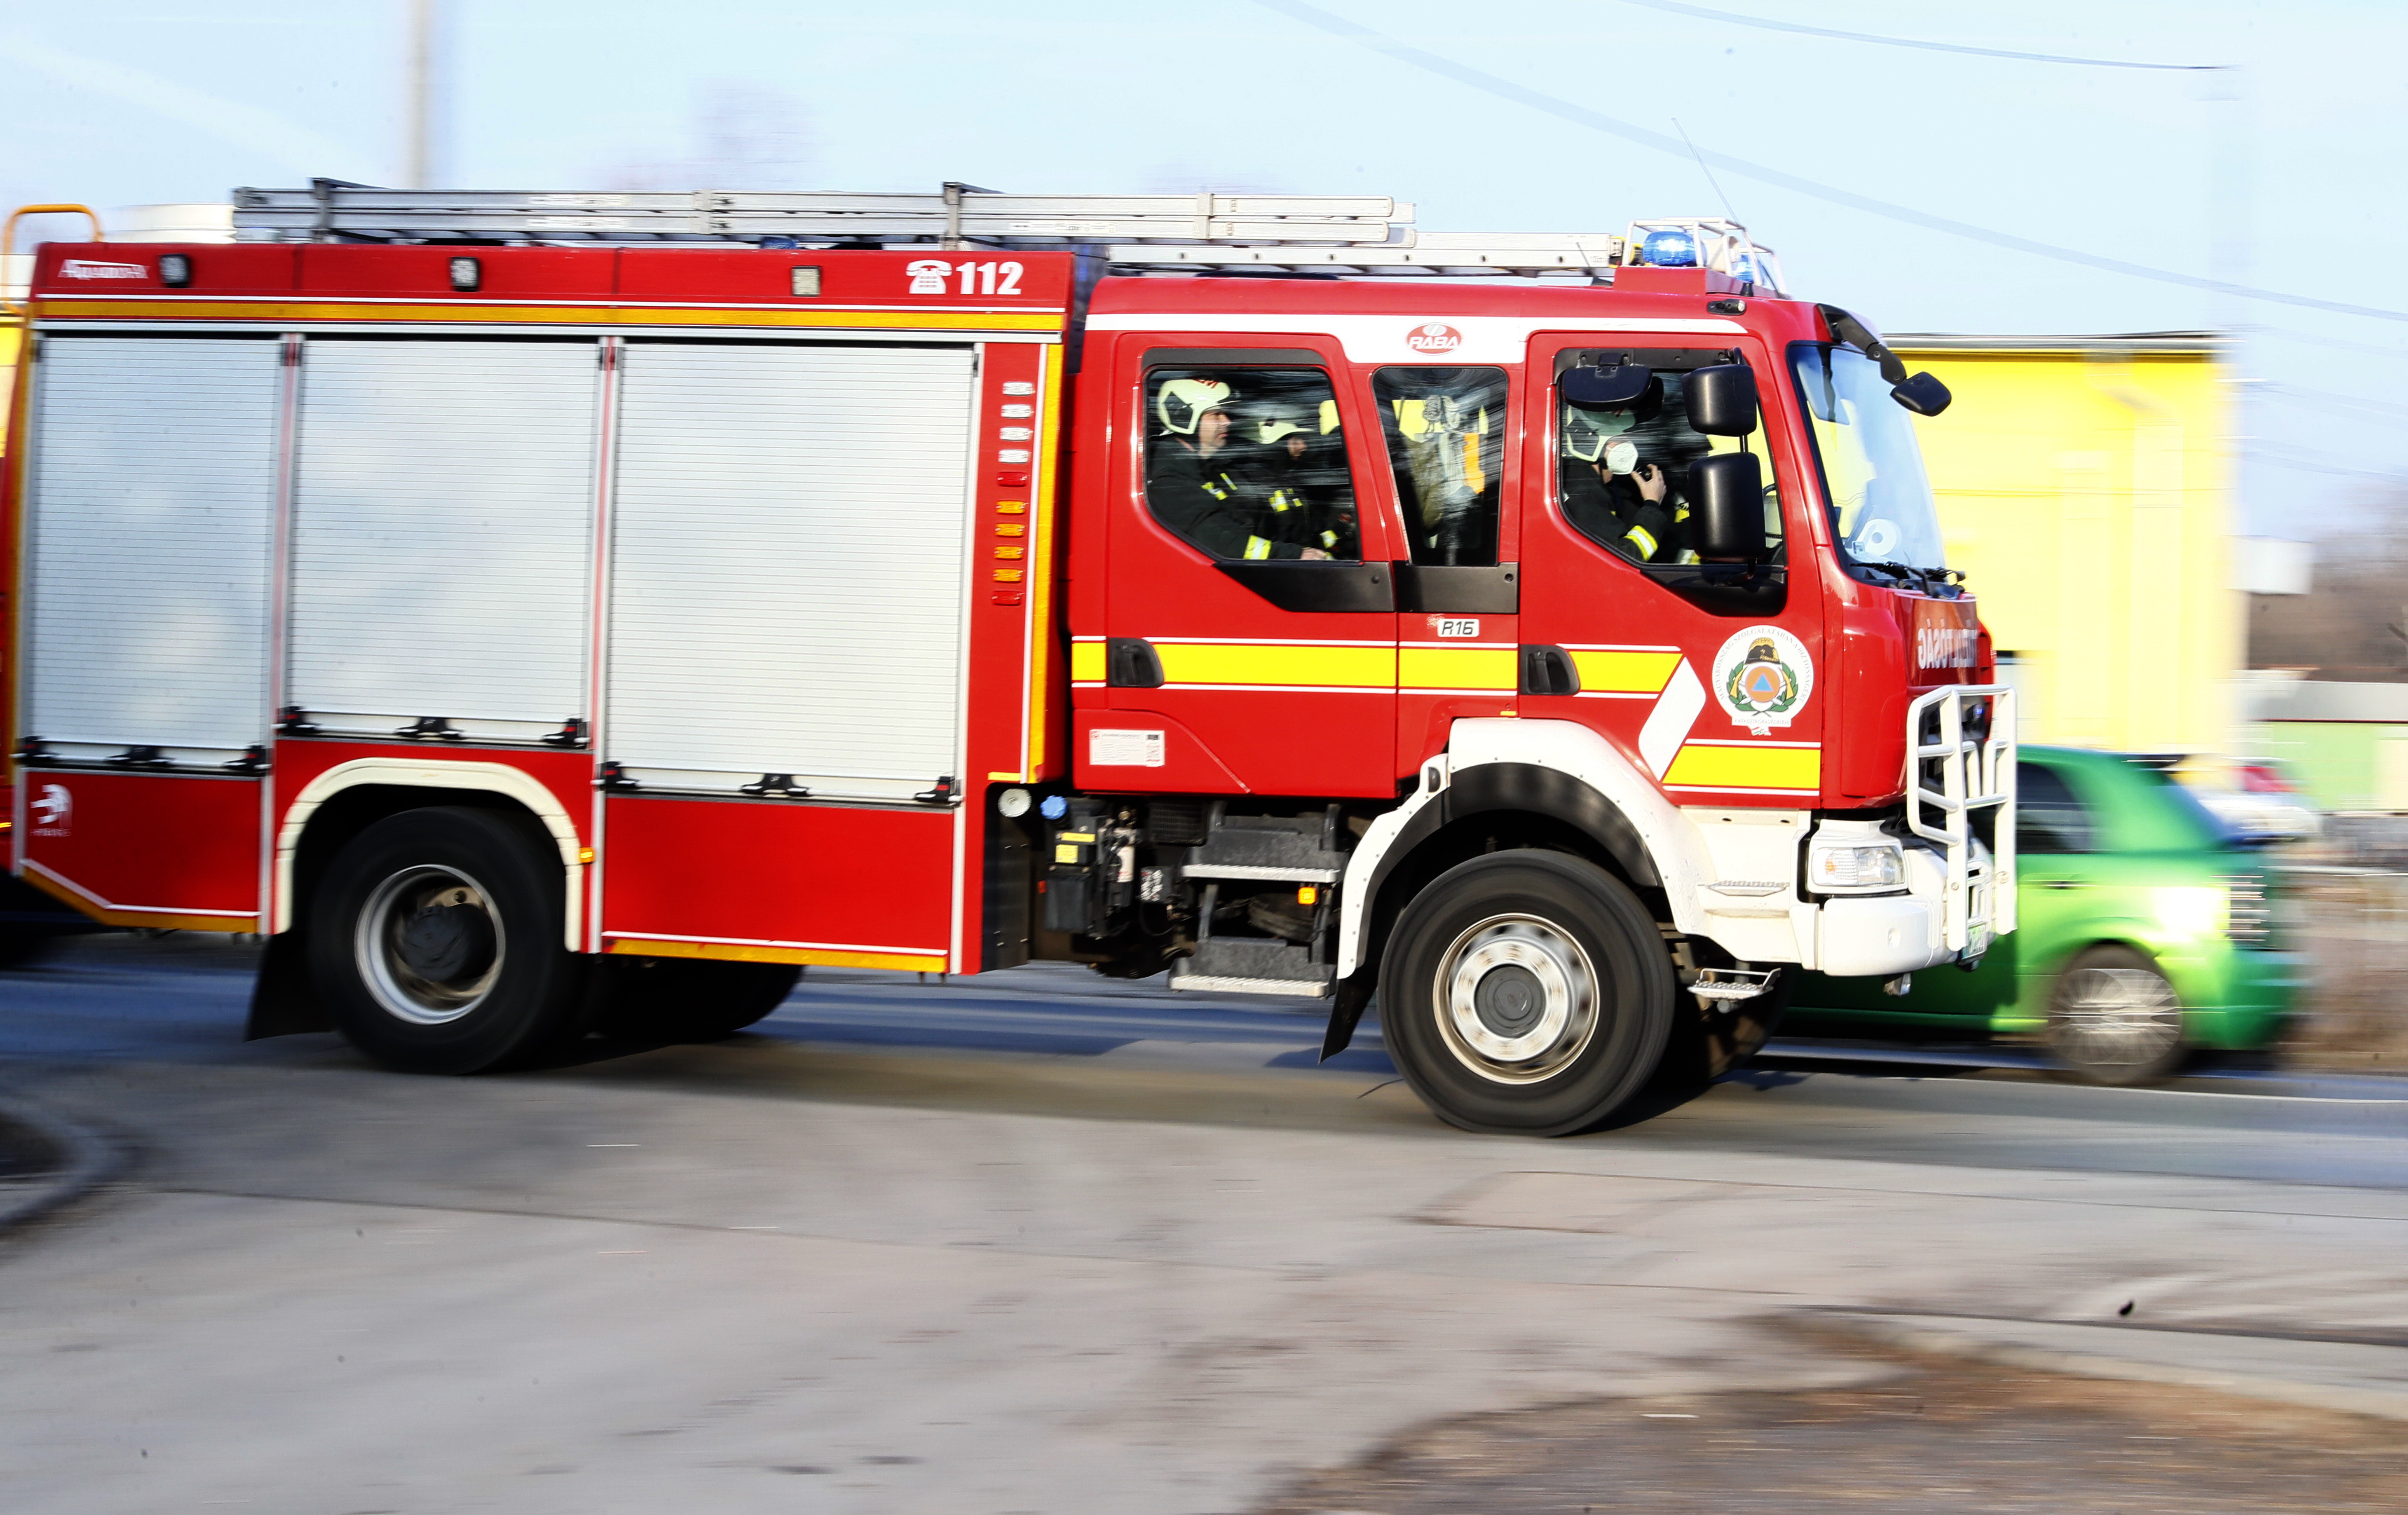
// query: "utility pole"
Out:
[420,173]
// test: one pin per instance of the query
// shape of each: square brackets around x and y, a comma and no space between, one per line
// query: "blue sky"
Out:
[2291,186]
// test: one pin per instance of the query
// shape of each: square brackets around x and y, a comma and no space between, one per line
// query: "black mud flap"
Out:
[282,1001]
[1346,1011]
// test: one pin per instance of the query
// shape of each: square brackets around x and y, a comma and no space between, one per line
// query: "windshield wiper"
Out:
[1940,583]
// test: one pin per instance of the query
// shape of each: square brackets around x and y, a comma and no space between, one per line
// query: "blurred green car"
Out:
[2143,934]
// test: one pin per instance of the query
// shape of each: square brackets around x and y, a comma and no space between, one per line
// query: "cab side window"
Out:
[2048,818]
[1446,448]
[1623,447]
[1249,463]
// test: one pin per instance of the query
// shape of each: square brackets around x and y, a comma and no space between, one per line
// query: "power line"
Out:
[2303,395]
[1320,20]
[2275,454]
[1677,9]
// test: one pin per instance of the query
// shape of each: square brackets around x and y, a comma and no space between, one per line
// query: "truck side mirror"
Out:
[1727,506]
[1721,400]
[1923,395]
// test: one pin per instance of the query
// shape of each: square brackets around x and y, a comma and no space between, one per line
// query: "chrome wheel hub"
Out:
[2115,1017]
[1517,998]
[428,944]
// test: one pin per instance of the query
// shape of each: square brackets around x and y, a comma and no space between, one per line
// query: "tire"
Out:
[2113,1019]
[1527,993]
[686,999]
[435,943]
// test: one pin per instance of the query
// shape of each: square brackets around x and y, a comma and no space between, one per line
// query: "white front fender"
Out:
[1673,845]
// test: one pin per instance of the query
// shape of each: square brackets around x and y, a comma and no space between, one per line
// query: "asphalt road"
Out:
[1037,1242]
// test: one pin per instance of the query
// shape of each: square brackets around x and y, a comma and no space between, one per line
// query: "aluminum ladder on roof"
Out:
[1205,231]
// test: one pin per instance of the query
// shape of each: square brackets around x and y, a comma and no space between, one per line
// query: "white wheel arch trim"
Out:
[410,773]
[1672,842]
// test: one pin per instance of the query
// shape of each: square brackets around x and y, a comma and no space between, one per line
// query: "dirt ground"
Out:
[2353,929]
[1943,1434]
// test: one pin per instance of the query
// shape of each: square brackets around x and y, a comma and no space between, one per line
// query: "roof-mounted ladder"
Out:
[1207,231]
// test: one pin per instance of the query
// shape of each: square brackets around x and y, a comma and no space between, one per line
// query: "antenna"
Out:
[1703,169]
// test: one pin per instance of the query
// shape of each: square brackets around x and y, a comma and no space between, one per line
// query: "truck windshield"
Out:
[1881,513]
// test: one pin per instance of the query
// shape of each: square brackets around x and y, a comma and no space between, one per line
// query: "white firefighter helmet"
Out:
[1182,403]
[1281,424]
[1587,432]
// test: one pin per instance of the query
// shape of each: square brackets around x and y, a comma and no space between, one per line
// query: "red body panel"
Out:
[819,882]
[138,848]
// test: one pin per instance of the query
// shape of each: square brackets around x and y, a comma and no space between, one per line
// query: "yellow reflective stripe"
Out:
[1257,547]
[1321,668]
[1646,543]
[1459,668]
[1625,673]
[1087,662]
[1746,766]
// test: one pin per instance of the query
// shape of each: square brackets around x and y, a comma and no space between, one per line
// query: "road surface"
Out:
[1041,1242]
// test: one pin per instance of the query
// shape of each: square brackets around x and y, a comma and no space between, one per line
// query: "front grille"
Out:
[2249,918]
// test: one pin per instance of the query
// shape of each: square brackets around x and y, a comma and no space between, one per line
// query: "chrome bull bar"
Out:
[1960,744]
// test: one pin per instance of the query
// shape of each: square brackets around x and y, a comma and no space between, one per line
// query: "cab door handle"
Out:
[1549,670]
[2062,883]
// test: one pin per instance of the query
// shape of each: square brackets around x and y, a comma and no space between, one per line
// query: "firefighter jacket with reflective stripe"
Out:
[1199,500]
[1621,518]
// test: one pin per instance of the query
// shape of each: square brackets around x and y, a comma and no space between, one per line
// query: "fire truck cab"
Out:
[535,613]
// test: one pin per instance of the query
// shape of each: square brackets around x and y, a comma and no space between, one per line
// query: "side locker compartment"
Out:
[783,736]
[442,537]
[150,497]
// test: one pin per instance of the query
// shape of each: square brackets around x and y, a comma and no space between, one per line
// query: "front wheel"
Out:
[434,938]
[1527,993]
[2113,1019]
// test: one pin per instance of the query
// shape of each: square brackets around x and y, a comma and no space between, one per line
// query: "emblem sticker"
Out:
[1763,677]
[52,811]
[1436,336]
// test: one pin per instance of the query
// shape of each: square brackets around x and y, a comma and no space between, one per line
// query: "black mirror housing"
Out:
[1923,395]
[1721,400]
[1727,506]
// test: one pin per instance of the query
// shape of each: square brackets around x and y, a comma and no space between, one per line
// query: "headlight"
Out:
[1830,868]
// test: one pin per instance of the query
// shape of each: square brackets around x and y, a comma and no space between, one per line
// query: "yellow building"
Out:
[2085,489]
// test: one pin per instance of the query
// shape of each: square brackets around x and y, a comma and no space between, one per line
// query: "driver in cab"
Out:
[1189,483]
[1610,496]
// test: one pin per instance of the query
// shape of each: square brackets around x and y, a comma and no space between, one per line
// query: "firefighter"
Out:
[1295,467]
[1612,497]
[1189,480]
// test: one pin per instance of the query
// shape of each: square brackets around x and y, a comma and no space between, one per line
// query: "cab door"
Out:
[1705,676]
[1448,466]
[1250,639]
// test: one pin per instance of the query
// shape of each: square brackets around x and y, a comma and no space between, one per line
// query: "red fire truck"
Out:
[536,612]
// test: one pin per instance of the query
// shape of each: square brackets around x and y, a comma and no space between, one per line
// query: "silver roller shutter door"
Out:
[151,539]
[787,574]
[442,533]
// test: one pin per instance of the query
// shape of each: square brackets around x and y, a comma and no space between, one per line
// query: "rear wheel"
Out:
[435,938]
[2113,1019]
[686,999]
[1527,993]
